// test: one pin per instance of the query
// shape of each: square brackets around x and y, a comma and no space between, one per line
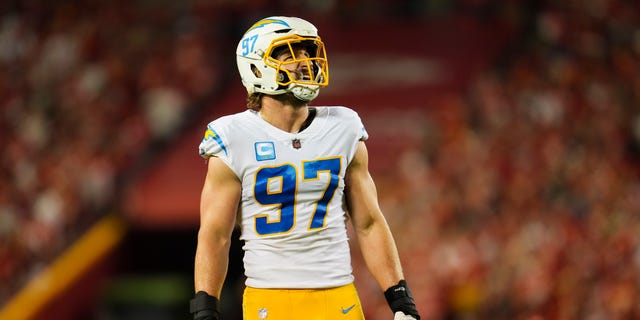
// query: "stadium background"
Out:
[505,140]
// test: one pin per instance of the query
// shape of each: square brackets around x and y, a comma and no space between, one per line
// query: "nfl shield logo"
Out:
[262,313]
[296,143]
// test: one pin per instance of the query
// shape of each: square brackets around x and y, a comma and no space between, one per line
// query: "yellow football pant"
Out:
[308,304]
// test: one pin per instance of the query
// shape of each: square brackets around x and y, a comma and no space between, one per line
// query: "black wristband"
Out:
[204,307]
[399,298]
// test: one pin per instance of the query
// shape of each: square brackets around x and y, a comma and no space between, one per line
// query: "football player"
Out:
[292,176]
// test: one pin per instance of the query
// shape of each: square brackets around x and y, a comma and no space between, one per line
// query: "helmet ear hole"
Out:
[255,71]
[282,77]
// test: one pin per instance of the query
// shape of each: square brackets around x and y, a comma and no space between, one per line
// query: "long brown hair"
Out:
[254,101]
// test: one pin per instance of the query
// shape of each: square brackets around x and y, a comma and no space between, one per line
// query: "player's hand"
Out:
[401,316]
[204,307]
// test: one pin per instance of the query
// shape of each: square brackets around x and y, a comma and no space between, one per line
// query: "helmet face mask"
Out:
[309,70]
[301,74]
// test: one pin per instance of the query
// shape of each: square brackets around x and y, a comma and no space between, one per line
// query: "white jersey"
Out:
[292,210]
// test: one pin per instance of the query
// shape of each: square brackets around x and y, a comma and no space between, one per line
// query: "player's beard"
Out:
[290,99]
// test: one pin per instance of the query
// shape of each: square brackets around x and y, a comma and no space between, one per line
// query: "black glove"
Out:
[204,307]
[399,298]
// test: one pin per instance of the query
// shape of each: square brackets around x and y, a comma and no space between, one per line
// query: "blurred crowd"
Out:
[521,200]
[85,88]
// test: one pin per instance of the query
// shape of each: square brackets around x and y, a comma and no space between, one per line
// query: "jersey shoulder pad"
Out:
[216,139]
[351,118]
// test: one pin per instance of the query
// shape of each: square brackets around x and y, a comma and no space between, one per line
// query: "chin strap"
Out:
[305,92]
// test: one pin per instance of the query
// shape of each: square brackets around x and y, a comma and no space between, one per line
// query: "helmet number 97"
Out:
[248,44]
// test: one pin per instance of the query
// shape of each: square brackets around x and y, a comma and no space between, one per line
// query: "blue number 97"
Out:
[277,186]
[248,44]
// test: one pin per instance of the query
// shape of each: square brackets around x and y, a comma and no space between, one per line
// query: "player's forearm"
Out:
[380,254]
[210,271]
[211,263]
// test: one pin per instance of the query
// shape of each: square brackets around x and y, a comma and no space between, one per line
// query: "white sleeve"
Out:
[213,144]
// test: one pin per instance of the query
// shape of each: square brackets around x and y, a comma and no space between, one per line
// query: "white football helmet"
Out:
[262,72]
